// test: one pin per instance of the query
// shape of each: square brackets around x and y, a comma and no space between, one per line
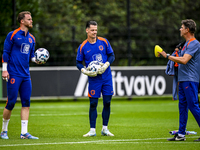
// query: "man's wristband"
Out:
[168,56]
[4,66]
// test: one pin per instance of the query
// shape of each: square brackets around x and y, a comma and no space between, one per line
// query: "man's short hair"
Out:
[22,15]
[190,24]
[91,23]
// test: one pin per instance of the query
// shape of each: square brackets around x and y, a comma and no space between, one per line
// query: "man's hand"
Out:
[89,73]
[163,53]
[38,62]
[5,75]
[33,59]
[103,68]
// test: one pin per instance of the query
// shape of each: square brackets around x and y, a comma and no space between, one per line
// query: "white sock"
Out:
[5,124]
[24,126]
[105,127]
[93,129]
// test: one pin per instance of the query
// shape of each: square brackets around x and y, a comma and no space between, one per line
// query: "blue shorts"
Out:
[96,87]
[23,86]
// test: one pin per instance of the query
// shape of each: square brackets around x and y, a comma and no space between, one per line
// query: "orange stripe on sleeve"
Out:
[2,59]
[84,42]
[32,37]
[103,39]
[15,31]
[192,39]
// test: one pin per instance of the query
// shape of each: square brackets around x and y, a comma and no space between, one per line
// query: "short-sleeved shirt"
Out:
[18,51]
[98,51]
[191,70]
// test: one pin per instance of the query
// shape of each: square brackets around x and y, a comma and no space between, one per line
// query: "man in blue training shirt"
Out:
[19,47]
[188,77]
[97,49]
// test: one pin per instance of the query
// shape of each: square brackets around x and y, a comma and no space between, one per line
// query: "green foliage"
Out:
[7,15]
[59,26]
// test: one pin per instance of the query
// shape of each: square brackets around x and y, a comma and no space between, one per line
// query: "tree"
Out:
[59,26]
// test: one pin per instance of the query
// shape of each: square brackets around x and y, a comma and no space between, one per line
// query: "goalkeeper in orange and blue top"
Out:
[18,51]
[97,49]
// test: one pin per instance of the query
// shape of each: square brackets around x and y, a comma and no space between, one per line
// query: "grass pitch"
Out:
[136,124]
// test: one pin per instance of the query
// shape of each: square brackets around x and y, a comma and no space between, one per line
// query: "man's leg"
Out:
[183,115]
[192,100]
[93,112]
[6,119]
[183,109]
[12,93]
[92,117]
[106,109]
[25,94]
[24,119]
[106,115]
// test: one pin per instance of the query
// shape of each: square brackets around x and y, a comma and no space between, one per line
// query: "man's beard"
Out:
[29,26]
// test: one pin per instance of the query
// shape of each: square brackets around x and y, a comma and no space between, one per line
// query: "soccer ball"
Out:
[94,66]
[41,55]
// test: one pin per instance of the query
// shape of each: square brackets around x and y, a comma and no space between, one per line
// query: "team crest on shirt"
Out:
[30,40]
[25,48]
[97,57]
[100,47]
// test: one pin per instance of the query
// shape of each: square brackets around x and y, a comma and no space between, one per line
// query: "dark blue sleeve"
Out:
[79,65]
[33,50]
[111,57]
[7,48]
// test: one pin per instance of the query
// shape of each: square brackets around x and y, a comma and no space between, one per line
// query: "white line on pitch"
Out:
[72,114]
[121,141]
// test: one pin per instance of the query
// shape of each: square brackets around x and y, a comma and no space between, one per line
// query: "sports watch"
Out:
[168,56]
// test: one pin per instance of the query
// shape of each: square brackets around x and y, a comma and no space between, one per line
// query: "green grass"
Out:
[139,125]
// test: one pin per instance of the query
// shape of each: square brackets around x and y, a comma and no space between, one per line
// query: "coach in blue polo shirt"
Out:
[188,77]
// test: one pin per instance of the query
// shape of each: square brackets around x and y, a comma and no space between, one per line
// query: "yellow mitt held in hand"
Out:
[157,49]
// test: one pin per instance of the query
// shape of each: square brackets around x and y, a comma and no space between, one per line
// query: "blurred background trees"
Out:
[133,27]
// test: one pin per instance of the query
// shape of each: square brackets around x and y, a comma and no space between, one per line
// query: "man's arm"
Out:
[111,58]
[79,65]
[6,56]
[180,60]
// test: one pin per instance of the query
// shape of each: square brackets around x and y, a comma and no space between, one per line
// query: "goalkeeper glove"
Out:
[89,73]
[103,68]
